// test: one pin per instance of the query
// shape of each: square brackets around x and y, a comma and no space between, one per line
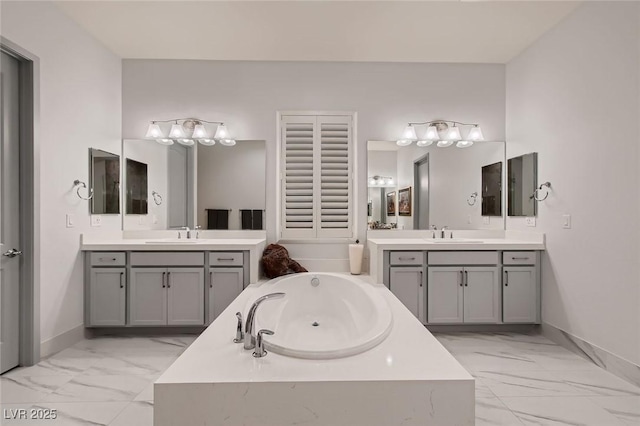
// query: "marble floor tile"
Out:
[175,344]
[560,359]
[569,411]
[132,362]
[598,382]
[70,361]
[528,383]
[100,388]
[482,360]
[137,413]
[67,414]
[459,341]
[492,412]
[625,408]
[19,389]
[482,390]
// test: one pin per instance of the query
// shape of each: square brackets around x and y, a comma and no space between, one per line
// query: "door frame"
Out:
[29,72]
[416,193]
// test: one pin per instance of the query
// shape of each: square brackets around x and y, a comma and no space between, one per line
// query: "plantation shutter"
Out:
[316,176]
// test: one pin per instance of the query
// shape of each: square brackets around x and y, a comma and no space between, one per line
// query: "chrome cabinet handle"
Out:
[11,253]
[466,278]
[239,333]
[506,278]
[168,279]
[461,279]
[210,279]
[121,277]
[420,279]
[163,276]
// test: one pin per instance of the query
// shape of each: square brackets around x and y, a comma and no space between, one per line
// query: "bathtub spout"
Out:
[249,338]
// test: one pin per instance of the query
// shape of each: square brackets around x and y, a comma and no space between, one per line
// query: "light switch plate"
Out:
[71,220]
[96,220]
[531,221]
[486,220]
[141,220]
[566,221]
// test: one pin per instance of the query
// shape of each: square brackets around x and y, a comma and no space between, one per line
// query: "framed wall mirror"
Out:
[136,184]
[216,187]
[522,175]
[444,186]
[105,181]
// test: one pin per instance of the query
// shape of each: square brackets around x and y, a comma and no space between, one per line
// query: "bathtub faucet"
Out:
[249,338]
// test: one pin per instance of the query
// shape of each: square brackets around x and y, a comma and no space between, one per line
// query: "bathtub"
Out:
[336,318]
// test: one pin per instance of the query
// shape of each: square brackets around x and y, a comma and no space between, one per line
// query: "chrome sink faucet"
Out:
[185,228]
[249,338]
[444,228]
[433,231]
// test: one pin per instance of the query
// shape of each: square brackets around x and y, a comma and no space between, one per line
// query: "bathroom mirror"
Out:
[136,179]
[105,181]
[522,177]
[215,187]
[414,187]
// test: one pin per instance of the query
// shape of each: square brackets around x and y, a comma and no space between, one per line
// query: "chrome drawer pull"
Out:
[107,259]
[228,259]
[520,258]
[406,258]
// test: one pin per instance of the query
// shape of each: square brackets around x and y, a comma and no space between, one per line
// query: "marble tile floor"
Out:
[521,379]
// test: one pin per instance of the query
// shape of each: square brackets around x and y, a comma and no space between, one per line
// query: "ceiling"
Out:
[381,31]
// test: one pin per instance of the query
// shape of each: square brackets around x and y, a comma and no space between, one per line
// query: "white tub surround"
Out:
[408,378]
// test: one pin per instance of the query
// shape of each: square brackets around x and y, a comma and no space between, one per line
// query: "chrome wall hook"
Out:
[78,184]
[472,199]
[536,195]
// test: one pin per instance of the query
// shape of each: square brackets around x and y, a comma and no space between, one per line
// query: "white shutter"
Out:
[298,218]
[316,176]
[335,177]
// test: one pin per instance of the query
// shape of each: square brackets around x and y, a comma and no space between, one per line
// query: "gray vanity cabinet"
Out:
[107,297]
[482,294]
[185,296]
[520,294]
[445,295]
[225,284]
[407,283]
[148,297]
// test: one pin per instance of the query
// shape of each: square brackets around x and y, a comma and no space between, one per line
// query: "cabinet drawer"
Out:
[406,258]
[463,258]
[108,259]
[167,258]
[220,258]
[519,258]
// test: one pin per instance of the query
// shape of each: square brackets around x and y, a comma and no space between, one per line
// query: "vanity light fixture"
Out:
[381,181]
[188,131]
[444,132]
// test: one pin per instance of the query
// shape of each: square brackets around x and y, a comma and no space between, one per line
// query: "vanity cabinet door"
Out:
[445,295]
[148,297]
[185,302]
[519,294]
[407,284]
[107,297]
[225,284]
[482,295]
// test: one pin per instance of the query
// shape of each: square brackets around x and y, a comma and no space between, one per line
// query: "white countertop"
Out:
[161,245]
[410,353]
[480,244]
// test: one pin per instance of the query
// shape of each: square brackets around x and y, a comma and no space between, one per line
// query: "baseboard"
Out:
[614,364]
[61,341]
[482,328]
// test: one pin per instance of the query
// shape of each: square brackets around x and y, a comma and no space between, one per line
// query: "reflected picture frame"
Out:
[404,202]
[391,203]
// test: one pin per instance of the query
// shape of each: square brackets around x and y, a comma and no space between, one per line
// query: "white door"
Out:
[519,294]
[225,284]
[481,295]
[107,296]
[185,302]
[148,296]
[9,215]
[445,295]
[407,284]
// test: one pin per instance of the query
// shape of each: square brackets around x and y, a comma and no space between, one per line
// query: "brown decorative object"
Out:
[276,262]
[391,203]
[404,202]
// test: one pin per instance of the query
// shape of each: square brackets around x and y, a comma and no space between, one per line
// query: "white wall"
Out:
[574,98]
[247,95]
[80,107]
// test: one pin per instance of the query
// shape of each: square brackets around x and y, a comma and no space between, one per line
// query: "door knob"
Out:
[12,253]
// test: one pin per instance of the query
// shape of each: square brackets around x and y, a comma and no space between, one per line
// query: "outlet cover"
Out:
[486,220]
[531,221]
[71,220]
[96,220]
[566,221]
[141,220]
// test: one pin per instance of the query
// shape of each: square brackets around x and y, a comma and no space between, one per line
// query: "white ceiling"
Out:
[384,31]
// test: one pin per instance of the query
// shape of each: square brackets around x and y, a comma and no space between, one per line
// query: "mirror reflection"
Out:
[215,187]
[414,187]
[522,178]
[105,181]
[136,178]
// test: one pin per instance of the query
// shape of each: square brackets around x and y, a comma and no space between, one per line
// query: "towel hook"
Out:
[157,198]
[472,199]
[79,184]
[538,189]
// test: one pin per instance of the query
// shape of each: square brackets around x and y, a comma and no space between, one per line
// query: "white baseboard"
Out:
[61,341]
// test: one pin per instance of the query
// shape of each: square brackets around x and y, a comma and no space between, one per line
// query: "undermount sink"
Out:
[173,241]
[454,241]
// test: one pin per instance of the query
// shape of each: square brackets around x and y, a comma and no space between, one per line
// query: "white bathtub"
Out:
[337,318]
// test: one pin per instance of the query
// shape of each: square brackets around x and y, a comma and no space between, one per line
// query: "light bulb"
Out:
[207,142]
[409,133]
[227,142]
[186,142]
[444,144]
[424,143]
[221,132]
[165,141]
[177,132]
[199,132]
[464,144]
[390,182]
[153,132]
[454,134]
[403,142]
[372,181]
[432,134]
[475,134]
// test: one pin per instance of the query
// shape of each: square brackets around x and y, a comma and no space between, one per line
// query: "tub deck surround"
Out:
[409,378]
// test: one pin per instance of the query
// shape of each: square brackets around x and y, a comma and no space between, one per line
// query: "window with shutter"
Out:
[316,176]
